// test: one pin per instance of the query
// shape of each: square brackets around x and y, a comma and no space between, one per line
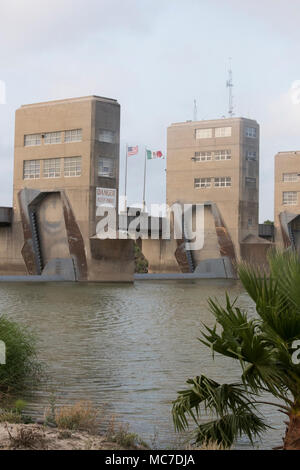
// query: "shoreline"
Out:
[41,437]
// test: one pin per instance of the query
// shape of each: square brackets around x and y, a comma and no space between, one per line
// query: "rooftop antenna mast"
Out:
[229,85]
[195,111]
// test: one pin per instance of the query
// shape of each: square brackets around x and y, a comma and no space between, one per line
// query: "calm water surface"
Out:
[128,347]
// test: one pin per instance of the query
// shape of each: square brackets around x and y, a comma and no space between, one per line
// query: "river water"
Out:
[127,348]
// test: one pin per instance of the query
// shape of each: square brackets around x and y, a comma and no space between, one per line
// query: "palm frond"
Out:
[214,397]
[263,345]
[226,429]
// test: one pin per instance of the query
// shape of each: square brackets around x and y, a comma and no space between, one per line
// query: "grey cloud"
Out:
[40,25]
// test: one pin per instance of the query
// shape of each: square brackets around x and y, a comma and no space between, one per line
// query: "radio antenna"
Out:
[229,85]
[195,111]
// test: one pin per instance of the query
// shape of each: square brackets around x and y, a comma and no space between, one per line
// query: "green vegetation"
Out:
[21,369]
[13,414]
[268,222]
[121,435]
[10,416]
[141,264]
[81,416]
[263,345]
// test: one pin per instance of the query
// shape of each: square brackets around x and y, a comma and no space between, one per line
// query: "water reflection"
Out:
[130,347]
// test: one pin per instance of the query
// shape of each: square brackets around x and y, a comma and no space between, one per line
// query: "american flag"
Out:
[132,151]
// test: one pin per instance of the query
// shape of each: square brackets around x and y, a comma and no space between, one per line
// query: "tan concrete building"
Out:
[287,200]
[66,158]
[216,163]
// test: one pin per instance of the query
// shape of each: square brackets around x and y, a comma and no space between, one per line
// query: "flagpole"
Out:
[126,161]
[145,172]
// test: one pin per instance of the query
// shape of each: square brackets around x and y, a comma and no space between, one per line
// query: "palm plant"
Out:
[264,347]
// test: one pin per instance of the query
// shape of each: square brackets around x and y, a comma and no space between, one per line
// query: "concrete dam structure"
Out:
[66,166]
[66,154]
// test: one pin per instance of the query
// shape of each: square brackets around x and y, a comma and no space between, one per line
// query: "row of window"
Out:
[290,198]
[222,182]
[216,132]
[51,168]
[290,177]
[213,132]
[207,156]
[74,135]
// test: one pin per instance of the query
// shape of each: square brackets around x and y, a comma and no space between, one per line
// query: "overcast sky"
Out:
[155,57]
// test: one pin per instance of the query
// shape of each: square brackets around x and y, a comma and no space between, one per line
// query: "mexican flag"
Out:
[153,155]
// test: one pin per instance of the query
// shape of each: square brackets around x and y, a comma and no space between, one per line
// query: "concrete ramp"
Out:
[63,268]
[219,268]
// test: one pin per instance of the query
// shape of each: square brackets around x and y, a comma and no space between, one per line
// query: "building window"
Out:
[251,155]
[251,182]
[223,155]
[31,169]
[251,132]
[250,222]
[106,136]
[223,132]
[203,133]
[223,182]
[72,166]
[51,168]
[73,136]
[32,139]
[52,138]
[202,156]
[290,177]
[106,167]
[290,198]
[202,183]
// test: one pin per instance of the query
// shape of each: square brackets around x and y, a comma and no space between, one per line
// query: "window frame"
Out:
[226,153]
[34,163]
[76,169]
[289,202]
[203,183]
[253,157]
[207,131]
[111,167]
[251,132]
[220,179]
[52,172]
[290,180]
[71,139]
[55,140]
[202,156]
[107,132]
[223,132]
[38,140]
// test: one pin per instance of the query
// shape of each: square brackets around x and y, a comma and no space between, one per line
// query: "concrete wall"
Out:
[160,255]
[91,114]
[236,204]
[256,254]
[285,162]
[52,229]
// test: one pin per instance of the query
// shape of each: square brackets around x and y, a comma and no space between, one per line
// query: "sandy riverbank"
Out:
[38,437]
